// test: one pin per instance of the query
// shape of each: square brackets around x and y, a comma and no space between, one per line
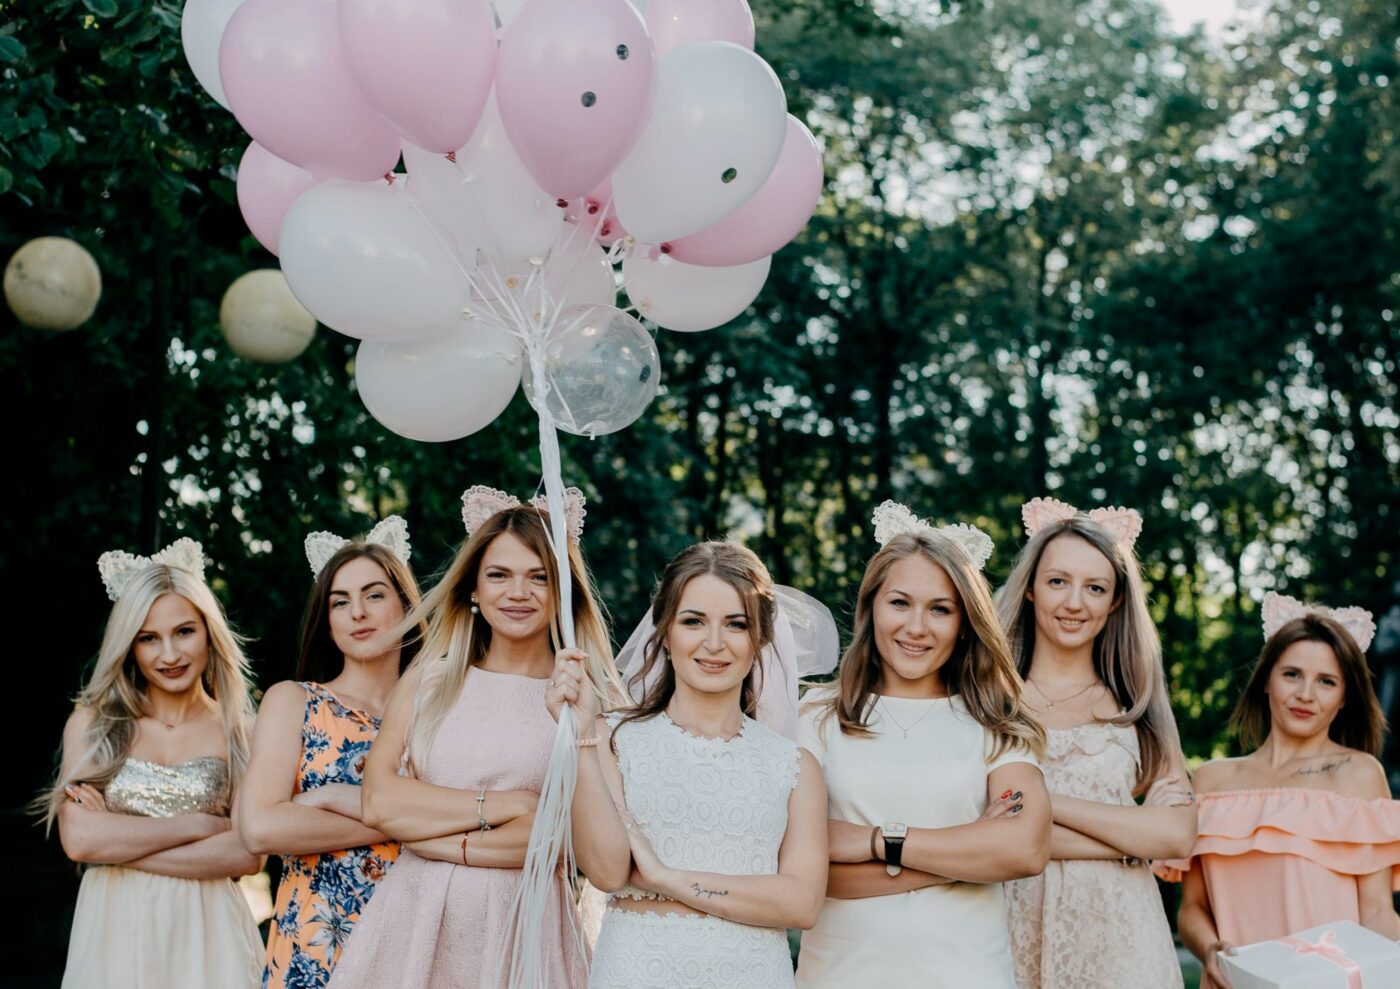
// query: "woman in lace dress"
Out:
[1301,831]
[934,795]
[707,826]
[151,761]
[468,726]
[1076,616]
[301,799]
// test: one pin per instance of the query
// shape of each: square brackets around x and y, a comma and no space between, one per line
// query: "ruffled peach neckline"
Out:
[1349,835]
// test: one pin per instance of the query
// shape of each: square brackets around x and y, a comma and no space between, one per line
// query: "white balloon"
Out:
[261,319]
[201,29]
[486,198]
[716,130]
[360,257]
[689,297]
[576,272]
[442,386]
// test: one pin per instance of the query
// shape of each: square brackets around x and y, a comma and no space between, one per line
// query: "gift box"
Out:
[1334,956]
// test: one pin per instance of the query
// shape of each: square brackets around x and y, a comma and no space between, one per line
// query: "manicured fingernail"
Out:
[1005,794]
[1016,795]
[1015,810]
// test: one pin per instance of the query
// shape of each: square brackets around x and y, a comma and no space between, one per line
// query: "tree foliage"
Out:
[1062,250]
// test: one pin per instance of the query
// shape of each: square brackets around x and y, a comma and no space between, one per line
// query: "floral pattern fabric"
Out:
[321,896]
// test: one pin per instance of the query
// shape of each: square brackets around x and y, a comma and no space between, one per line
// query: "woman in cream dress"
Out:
[1076,616]
[151,760]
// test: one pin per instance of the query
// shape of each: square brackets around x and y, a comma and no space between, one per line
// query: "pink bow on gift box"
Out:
[1328,948]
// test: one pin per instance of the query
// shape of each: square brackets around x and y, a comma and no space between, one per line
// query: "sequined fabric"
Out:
[139,930]
[152,789]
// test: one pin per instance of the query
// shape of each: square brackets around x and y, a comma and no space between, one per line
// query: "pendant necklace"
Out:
[900,725]
[1052,701]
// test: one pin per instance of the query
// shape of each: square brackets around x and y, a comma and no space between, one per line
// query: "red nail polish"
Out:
[1005,794]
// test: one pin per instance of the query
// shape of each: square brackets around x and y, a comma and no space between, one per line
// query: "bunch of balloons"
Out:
[544,143]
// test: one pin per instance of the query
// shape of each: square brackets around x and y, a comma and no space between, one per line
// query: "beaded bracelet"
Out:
[588,743]
[481,824]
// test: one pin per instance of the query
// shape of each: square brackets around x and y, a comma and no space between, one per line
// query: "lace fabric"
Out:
[707,805]
[1091,923]
[670,951]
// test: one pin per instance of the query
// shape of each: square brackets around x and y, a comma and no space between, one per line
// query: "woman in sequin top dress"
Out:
[1075,612]
[151,759]
[468,726]
[301,799]
[708,827]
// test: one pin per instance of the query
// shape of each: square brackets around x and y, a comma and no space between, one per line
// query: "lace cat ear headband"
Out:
[118,567]
[1280,609]
[893,519]
[479,503]
[391,533]
[1124,523]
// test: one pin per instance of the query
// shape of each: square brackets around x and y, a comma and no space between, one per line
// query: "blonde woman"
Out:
[1301,831]
[151,759]
[467,724]
[935,797]
[1076,616]
[706,825]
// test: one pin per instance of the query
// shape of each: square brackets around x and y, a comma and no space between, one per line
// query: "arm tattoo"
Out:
[1326,767]
[707,894]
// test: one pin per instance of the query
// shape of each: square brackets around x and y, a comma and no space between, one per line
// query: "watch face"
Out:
[895,830]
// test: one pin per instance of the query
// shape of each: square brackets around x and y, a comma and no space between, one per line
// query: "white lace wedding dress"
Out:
[706,805]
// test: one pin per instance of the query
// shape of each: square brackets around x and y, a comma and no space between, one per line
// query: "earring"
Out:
[475,609]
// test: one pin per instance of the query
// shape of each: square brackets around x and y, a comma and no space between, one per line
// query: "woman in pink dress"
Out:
[468,726]
[1302,831]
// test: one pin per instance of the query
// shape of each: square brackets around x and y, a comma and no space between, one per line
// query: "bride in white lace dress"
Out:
[719,843]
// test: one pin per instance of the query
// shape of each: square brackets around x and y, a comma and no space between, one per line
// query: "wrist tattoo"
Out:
[707,894]
[1326,767]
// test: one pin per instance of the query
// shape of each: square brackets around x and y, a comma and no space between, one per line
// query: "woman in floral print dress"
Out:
[309,749]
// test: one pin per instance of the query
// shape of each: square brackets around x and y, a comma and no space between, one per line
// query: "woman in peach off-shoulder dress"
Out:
[1301,831]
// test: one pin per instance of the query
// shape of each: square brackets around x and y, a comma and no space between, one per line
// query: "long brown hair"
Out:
[320,659]
[738,567]
[456,639]
[980,670]
[1127,650]
[1360,724]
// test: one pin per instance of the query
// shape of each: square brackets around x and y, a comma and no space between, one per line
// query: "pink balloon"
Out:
[675,23]
[597,214]
[426,65]
[574,85]
[267,187]
[774,215]
[289,85]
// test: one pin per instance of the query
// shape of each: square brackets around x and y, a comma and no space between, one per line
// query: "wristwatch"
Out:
[893,832]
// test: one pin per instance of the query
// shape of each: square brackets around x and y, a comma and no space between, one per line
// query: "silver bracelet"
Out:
[481,824]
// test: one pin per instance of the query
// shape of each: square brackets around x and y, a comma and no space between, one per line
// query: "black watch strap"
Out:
[894,849]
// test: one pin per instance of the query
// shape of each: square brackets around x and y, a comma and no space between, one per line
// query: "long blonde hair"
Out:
[980,670]
[1127,650]
[114,692]
[456,639]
